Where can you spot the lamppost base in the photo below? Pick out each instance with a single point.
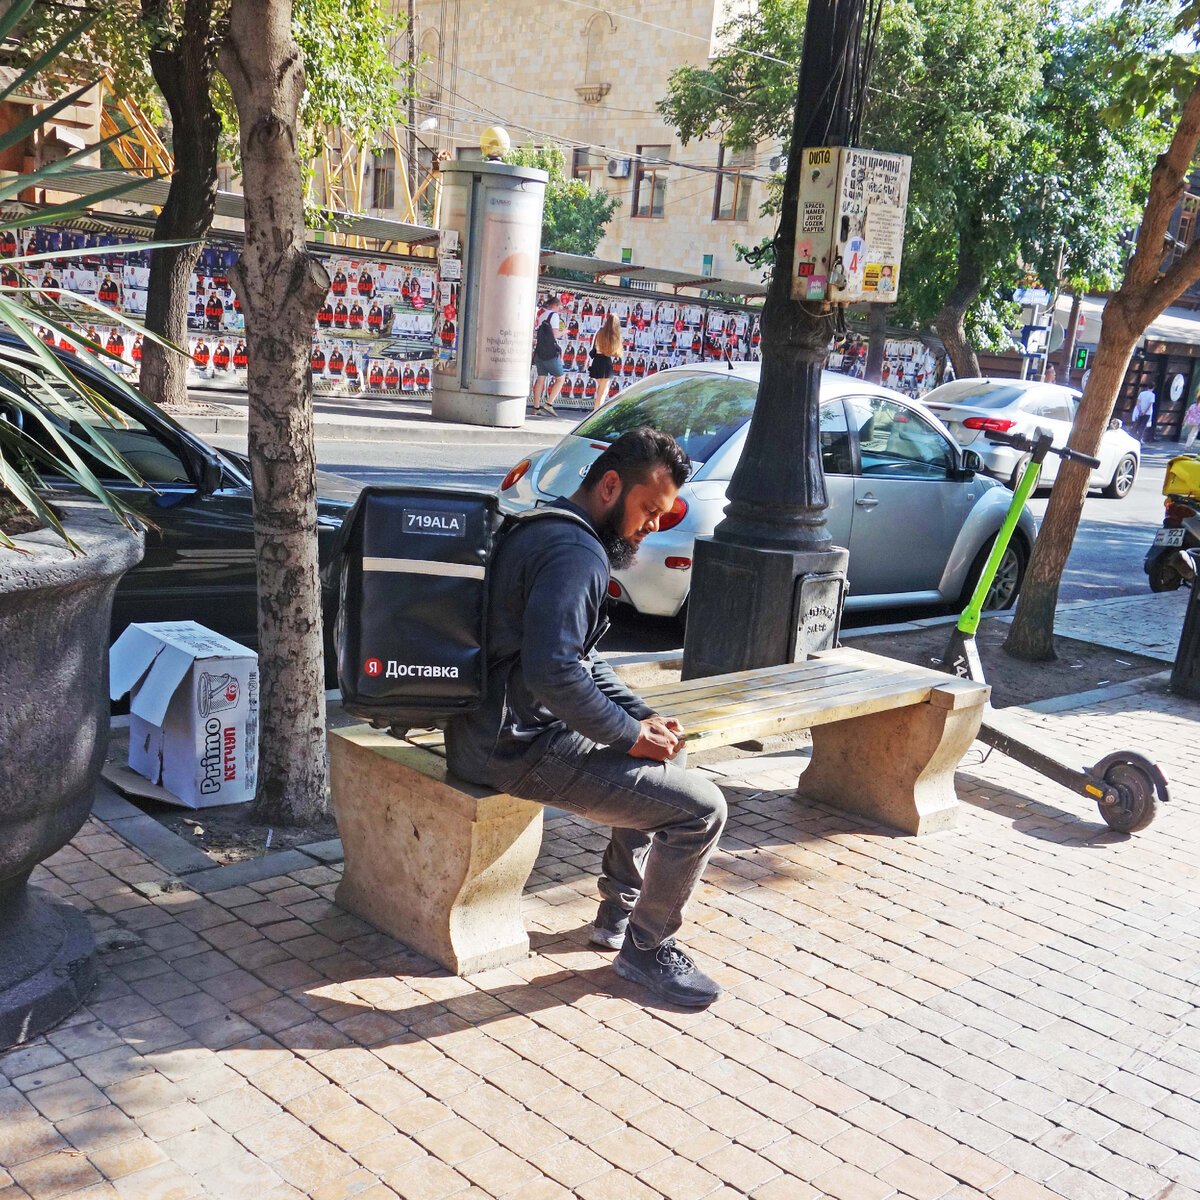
(755, 607)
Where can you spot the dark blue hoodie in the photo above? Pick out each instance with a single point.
(547, 588)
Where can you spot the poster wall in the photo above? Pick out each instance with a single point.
(657, 334)
(374, 333)
(386, 326)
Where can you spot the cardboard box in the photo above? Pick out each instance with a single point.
(193, 704)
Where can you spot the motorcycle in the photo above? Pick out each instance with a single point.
(1181, 524)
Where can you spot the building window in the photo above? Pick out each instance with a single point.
(706, 267)
(650, 182)
(384, 180)
(1187, 223)
(731, 202)
(424, 180)
(588, 166)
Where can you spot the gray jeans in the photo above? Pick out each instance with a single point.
(665, 820)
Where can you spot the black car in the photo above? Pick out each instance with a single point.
(199, 563)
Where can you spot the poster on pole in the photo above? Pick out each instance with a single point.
(814, 222)
(869, 237)
(850, 225)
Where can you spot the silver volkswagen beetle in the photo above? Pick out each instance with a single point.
(903, 497)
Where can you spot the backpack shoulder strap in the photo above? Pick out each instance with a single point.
(515, 520)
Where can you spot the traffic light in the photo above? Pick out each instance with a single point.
(1081, 359)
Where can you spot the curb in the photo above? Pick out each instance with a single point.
(395, 430)
(1114, 691)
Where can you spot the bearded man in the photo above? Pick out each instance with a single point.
(558, 727)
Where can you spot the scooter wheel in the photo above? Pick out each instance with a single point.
(1137, 796)
(1163, 576)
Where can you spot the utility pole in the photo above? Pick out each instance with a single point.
(770, 567)
(412, 97)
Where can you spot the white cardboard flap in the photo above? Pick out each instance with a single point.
(196, 639)
(151, 699)
(129, 658)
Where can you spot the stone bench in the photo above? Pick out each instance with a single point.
(440, 864)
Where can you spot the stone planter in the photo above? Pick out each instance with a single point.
(54, 719)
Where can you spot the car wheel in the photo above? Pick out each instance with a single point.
(1015, 477)
(1009, 576)
(1121, 483)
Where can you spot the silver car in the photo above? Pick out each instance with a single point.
(970, 407)
(904, 499)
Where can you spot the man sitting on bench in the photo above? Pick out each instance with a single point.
(559, 728)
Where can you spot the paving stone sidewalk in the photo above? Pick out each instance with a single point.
(1007, 1011)
(1148, 624)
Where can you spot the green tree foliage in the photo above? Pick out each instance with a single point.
(574, 216)
(351, 81)
(1089, 154)
(1005, 107)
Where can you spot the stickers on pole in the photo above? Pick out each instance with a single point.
(850, 225)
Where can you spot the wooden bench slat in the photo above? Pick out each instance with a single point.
(722, 730)
(735, 680)
(832, 687)
(789, 679)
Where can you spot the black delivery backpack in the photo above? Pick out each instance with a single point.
(410, 569)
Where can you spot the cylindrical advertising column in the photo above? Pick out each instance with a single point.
(491, 218)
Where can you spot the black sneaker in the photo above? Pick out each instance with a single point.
(608, 929)
(667, 972)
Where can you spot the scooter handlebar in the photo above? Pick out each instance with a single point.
(1087, 459)
(1020, 442)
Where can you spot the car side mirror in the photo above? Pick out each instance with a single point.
(971, 461)
(211, 475)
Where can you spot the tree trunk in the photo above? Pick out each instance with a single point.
(281, 287)
(183, 69)
(877, 320)
(1031, 636)
(1144, 292)
(951, 321)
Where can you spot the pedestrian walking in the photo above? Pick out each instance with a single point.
(559, 728)
(1143, 414)
(1191, 424)
(605, 346)
(547, 357)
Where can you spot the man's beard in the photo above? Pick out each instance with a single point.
(621, 551)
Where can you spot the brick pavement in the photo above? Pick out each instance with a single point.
(1006, 1011)
(1147, 624)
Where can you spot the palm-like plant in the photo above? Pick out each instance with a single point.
(40, 429)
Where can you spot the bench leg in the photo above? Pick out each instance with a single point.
(894, 767)
(440, 871)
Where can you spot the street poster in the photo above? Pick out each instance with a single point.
(814, 222)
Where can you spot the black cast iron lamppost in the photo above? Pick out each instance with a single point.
(770, 567)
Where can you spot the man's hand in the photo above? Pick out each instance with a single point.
(659, 739)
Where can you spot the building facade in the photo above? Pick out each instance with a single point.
(588, 78)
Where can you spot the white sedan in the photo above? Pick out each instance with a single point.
(970, 407)
(904, 499)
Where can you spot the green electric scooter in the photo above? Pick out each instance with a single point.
(1125, 785)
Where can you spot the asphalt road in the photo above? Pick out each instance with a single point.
(1106, 559)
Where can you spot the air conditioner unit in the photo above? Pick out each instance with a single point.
(618, 168)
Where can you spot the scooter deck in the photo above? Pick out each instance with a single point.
(1036, 749)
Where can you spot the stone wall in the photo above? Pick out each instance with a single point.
(565, 71)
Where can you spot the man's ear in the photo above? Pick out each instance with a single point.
(609, 487)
